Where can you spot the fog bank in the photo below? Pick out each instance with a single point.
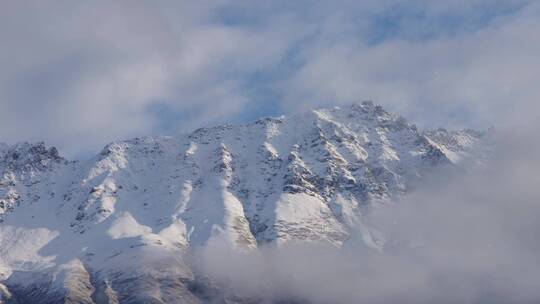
(464, 238)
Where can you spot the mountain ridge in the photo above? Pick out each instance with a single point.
(308, 178)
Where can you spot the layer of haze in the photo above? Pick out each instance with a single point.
(469, 238)
(79, 74)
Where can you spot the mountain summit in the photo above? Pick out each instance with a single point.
(115, 228)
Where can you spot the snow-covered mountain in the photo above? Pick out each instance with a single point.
(116, 228)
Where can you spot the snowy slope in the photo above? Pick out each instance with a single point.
(115, 228)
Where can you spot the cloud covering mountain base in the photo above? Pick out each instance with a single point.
(458, 239)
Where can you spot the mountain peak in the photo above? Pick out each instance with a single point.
(26, 155)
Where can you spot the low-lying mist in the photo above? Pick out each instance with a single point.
(461, 238)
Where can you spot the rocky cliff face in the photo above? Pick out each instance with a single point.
(115, 228)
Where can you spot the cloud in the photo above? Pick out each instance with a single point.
(467, 79)
(82, 74)
(79, 75)
(459, 239)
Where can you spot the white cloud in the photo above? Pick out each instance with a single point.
(488, 73)
(81, 74)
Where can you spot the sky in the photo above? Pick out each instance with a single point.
(80, 74)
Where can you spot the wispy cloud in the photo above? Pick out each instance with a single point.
(465, 79)
(79, 75)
